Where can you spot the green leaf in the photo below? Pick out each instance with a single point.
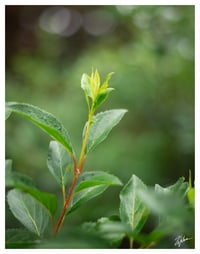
(92, 89)
(101, 97)
(46, 121)
(28, 211)
(180, 188)
(171, 210)
(94, 178)
(17, 180)
(94, 83)
(90, 185)
(133, 212)
(20, 239)
(105, 83)
(102, 124)
(8, 167)
(113, 231)
(191, 192)
(7, 113)
(91, 84)
(87, 194)
(47, 200)
(73, 238)
(26, 184)
(85, 85)
(191, 197)
(59, 162)
(167, 205)
(96, 80)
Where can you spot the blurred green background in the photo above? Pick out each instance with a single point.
(151, 51)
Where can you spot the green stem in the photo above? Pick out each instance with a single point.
(63, 193)
(77, 170)
(82, 154)
(150, 245)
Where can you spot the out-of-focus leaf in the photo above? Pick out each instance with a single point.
(180, 188)
(191, 197)
(191, 192)
(26, 184)
(168, 202)
(74, 238)
(102, 124)
(7, 113)
(8, 167)
(170, 207)
(20, 239)
(111, 230)
(90, 185)
(172, 213)
(17, 180)
(28, 211)
(150, 239)
(59, 162)
(133, 211)
(43, 119)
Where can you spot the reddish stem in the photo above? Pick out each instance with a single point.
(77, 172)
(53, 225)
(67, 202)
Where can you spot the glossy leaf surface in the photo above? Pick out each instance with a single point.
(90, 185)
(133, 212)
(28, 211)
(43, 119)
(58, 162)
(101, 126)
(47, 200)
